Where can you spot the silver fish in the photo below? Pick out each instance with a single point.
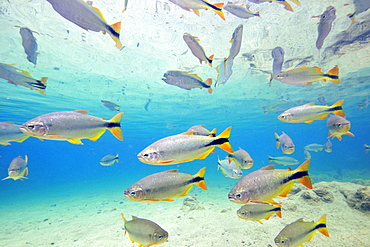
(111, 106)
(324, 28)
(224, 71)
(278, 56)
(109, 160)
(314, 147)
(196, 5)
(286, 143)
(284, 160)
(18, 168)
(307, 155)
(236, 42)
(29, 44)
(338, 126)
(240, 11)
(229, 169)
(200, 130)
(10, 132)
(364, 103)
(185, 80)
(328, 146)
(197, 49)
(242, 159)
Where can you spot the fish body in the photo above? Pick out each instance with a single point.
(258, 211)
(229, 169)
(284, 160)
(242, 159)
(299, 232)
(164, 186)
(144, 232)
(196, 5)
(224, 70)
(197, 49)
(287, 6)
(315, 147)
(200, 130)
(307, 155)
(10, 132)
(29, 44)
(310, 112)
(278, 56)
(306, 75)
(111, 106)
(285, 142)
(236, 42)
(86, 17)
(109, 160)
(21, 77)
(367, 148)
(72, 126)
(240, 11)
(185, 80)
(360, 7)
(18, 168)
(338, 126)
(328, 146)
(325, 24)
(182, 148)
(267, 183)
(364, 103)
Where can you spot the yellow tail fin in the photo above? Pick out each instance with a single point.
(339, 112)
(116, 130)
(323, 229)
(305, 180)
(201, 184)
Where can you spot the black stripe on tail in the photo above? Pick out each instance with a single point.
(217, 142)
(296, 176)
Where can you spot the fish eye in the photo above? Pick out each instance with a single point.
(132, 193)
(31, 126)
(238, 195)
(146, 155)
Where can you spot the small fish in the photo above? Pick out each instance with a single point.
(18, 168)
(306, 75)
(224, 70)
(144, 232)
(278, 56)
(197, 49)
(286, 143)
(185, 80)
(125, 2)
(284, 160)
(258, 211)
(111, 106)
(338, 126)
(29, 44)
(287, 6)
(299, 232)
(10, 132)
(310, 112)
(321, 99)
(109, 160)
(307, 155)
(367, 148)
(241, 158)
(267, 183)
(236, 42)
(200, 130)
(314, 147)
(196, 5)
(229, 169)
(328, 146)
(21, 77)
(164, 186)
(183, 148)
(240, 11)
(72, 126)
(86, 17)
(360, 7)
(364, 103)
(324, 27)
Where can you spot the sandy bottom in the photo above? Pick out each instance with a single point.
(83, 217)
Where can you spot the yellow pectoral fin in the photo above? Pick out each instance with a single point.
(26, 172)
(75, 141)
(287, 190)
(168, 200)
(53, 136)
(196, 11)
(206, 153)
(167, 161)
(187, 191)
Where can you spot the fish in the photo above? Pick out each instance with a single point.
(111, 106)
(299, 232)
(367, 148)
(109, 160)
(321, 99)
(364, 103)
(146, 106)
(315, 147)
(310, 112)
(10, 132)
(324, 27)
(196, 5)
(183, 148)
(258, 211)
(125, 2)
(236, 42)
(267, 183)
(307, 155)
(328, 146)
(360, 7)
(164, 186)
(284, 160)
(240, 11)
(278, 56)
(224, 71)
(287, 6)
(307, 75)
(286, 143)
(29, 44)
(200, 130)
(241, 158)
(23, 78)
(229, 169)
(87, 17)
(18, 168)
(72, 126)
(185, 80)
(144, 232)
(197, 49)
(338, 126)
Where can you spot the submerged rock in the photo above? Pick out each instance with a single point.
(191, 203)
(324, 194)
(359, 199)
